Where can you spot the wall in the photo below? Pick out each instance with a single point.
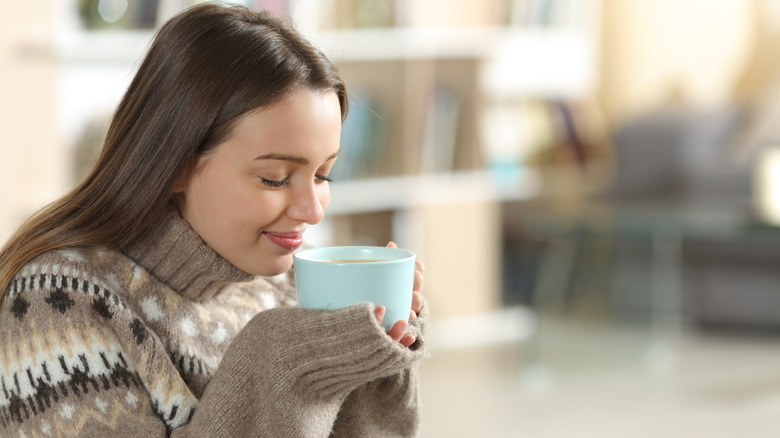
(656, 51)
(34, 164)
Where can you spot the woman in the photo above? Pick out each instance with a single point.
(156, 299)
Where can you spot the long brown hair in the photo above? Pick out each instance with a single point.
(207, 67)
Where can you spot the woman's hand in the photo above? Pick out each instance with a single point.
(398, 331)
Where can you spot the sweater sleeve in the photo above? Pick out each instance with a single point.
(74, 361)
(388, 406)
(289, 371)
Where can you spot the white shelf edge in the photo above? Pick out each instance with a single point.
(426, 43)
(124, 47)
(408, 192)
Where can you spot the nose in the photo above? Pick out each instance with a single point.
(309, 202)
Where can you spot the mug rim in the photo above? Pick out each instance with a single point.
(311, 255)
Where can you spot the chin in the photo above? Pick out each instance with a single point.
(274, 267)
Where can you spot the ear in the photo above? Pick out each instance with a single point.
(179, 184)
(181, 181)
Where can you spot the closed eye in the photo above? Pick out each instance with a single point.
(274, 183)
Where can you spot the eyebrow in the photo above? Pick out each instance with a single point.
(292, 158)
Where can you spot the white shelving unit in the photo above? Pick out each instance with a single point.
(536, 62)
(415, 191)
(452, 219)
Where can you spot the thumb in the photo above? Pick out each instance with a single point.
(379, 313)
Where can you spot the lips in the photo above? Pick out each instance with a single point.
(288, 241)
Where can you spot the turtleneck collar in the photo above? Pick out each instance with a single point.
(176, 255)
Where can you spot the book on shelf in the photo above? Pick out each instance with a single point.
(548, 13)
(568, 130)
(535, 133)
(513, 135)
(362, 139)
(558, 135)
(356, 14)
(99, 15)
(165, 9)
(278, 8)
(454, 13)
(440, 131)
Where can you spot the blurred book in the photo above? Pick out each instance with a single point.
(568, 130)
(558, 134)
(362, 139)
(520, 12)
(166, 9)
(548, 13)
(354, 14)
(440, 132)
(118, 14)
(455, 13)
(277, 8)
(540, 12)
(516, 134)
(569, 13)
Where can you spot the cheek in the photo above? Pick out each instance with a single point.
(222, 200)
(324, 196)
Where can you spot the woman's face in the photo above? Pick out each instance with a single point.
(252, 197)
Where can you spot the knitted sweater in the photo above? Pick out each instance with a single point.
(167, 338)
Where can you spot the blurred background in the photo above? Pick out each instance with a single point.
(593, 185)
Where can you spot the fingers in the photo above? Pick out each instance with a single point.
(398, 334)
(418, 280)
(392, 245)
(398, 330)
(417, 303)
(379, 313)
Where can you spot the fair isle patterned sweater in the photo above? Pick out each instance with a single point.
(167, 338)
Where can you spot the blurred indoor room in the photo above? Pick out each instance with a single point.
(593, 185)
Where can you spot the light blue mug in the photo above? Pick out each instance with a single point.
(339, 276)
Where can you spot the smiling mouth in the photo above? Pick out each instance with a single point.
(287, 241)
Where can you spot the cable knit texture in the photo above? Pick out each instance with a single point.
(167, 338)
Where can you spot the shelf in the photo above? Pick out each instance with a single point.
(119, 47)
(407, 43)
(407, 192)
(420, 43)
(530, 62)
(399, 68)
(541, 63)
(347, 45)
